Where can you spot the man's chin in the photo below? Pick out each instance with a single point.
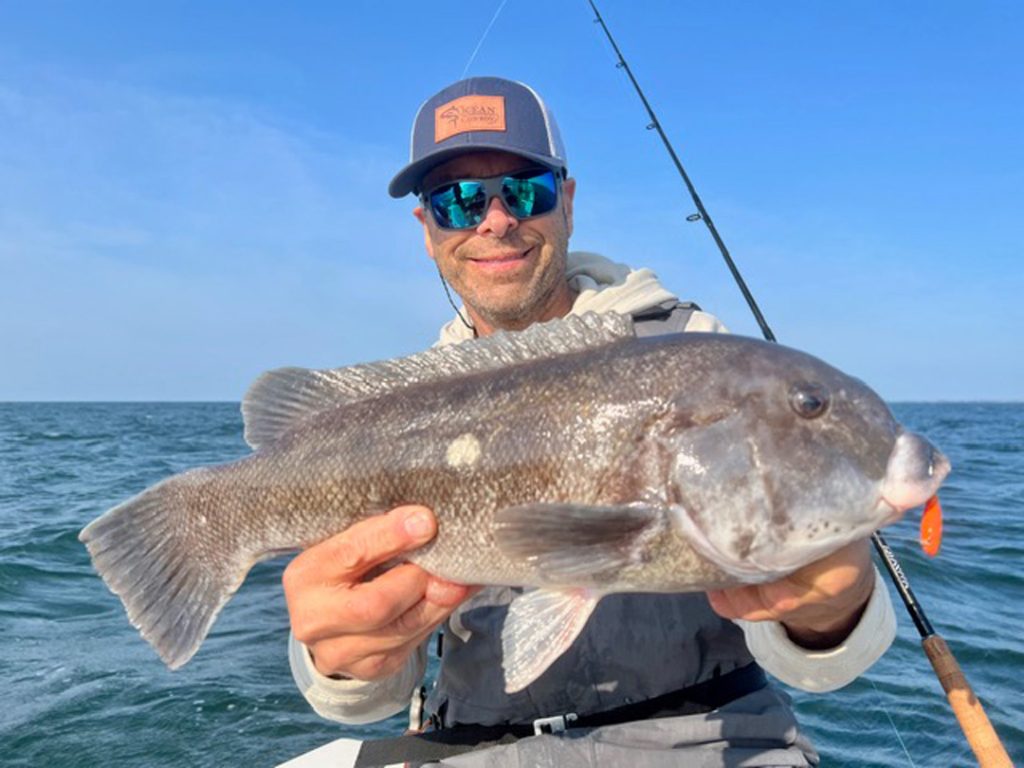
(505, 318)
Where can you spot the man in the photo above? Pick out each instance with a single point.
(642, 680)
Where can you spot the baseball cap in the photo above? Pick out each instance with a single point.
(475, 114)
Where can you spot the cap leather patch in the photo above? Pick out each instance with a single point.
(469, 113)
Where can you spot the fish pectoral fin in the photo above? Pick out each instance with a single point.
(539, 627)
(576, 543)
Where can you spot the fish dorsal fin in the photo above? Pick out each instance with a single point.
(280, 399)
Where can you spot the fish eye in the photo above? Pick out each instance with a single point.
(808, 400)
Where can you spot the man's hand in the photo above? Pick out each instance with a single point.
(362, 625)
(819, 605)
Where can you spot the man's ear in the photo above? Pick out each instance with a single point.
(568, 193)
(421, 217)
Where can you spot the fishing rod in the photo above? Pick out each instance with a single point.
(970, 713)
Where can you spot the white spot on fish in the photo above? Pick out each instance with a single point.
(463, 452)
(690, 463)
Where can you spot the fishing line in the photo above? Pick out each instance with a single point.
(908, 538)
(451, 301)
(893, 724)
(482, 38)
(465, 69)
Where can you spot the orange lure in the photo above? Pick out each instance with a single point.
(931, 527)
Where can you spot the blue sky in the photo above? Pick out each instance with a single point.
(192, 193)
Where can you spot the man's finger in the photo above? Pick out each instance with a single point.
(414, 625)
(345, 557)
(740, 603)
(448, 593)
(328, 611)
(366, 656)
(379, 665)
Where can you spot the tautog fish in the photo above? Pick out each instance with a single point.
(572, 456)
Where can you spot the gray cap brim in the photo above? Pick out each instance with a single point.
(411, 177)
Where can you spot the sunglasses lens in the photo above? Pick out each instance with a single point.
(529, 195)
(463, 204)
(459, 205)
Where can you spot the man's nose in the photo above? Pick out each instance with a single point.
(497, 221)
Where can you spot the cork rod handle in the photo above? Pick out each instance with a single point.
(982, 737)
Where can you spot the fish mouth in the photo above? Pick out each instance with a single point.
(915, 471)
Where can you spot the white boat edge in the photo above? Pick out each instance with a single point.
(340, 753)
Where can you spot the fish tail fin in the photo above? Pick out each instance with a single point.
(145, 554)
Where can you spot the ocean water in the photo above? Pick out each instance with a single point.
(80, 688)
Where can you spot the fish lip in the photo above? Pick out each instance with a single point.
(888, 512)
(915, 470)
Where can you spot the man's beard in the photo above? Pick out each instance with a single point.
(519, 311)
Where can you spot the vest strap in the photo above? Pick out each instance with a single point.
(667, 317)
(436, 745)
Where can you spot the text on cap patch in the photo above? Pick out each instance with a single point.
(469, 113)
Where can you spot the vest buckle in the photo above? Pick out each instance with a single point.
(556, 724)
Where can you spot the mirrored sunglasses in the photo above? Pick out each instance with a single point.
(463, 204)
